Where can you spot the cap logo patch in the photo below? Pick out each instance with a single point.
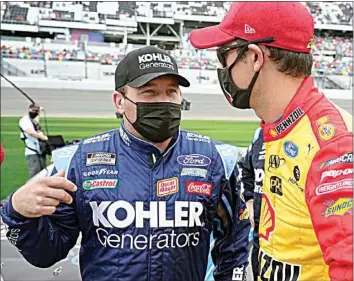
(310, 43)
(155, 60)
(249, 30)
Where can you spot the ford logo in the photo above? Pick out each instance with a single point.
(193, 160)
(291, 149)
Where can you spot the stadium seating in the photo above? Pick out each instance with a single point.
(16, 12)
(332, 64)
(328, 51)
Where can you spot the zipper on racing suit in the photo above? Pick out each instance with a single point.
(152, 162)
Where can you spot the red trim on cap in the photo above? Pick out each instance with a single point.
(209, 37)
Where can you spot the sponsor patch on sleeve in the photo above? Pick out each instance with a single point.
(339, 207)
(334, 186)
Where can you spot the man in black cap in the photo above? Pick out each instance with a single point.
(147, 197)
(31, 134)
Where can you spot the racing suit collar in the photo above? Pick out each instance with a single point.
(142, 145)
(296, 109)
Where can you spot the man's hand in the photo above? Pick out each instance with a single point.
(41, 196)
(249, 205)
(44, 137)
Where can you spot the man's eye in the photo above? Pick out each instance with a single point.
(149, 91)
(172, 91)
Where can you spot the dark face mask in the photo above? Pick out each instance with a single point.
(156, 121)
(237, 97)
(33, 115)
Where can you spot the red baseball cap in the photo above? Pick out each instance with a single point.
(290, 23)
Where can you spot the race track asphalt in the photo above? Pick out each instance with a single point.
(74, 103)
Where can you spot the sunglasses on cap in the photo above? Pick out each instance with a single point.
(220, 52)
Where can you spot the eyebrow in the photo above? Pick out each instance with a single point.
(155, 84)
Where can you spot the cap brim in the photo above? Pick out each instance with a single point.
(209, 37)
(146, 78)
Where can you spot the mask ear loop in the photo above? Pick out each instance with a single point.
(125, 97)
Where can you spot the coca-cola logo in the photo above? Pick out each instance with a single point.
(193, 160)
(197, 187)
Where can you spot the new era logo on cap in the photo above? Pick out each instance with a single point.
(249, 30)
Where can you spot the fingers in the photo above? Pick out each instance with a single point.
(59, 181)
(46, 210)
(50, 202)
(58, 194)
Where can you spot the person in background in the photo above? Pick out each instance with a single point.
(31, 134)
(251, 174)
(305, 223)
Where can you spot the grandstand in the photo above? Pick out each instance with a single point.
(79, 40)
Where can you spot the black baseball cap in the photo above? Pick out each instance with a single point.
(34, 107)
(142, 65)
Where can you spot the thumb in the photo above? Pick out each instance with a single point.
(61, 173)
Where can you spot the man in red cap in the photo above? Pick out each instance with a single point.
(304, 225)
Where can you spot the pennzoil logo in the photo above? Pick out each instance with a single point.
(339, 207)
(268, 223)
(290, 120)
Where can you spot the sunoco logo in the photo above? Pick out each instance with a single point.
(186, 214)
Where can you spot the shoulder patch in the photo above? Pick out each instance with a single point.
(229, 156)
(256, 135)
(62, 157)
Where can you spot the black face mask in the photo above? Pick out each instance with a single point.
(156, 121)
(33, 115)
(237, 97)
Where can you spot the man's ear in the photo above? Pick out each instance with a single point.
(257, 57)
(118, 100)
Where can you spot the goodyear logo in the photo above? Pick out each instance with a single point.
(339, 207)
